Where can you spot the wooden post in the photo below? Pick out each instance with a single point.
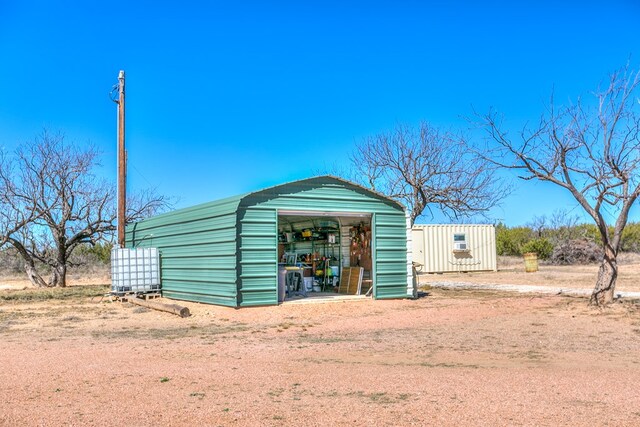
(122, 163)
(176, 309)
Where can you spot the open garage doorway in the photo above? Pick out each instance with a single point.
(324, 255)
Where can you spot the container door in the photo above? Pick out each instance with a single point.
(418, 246)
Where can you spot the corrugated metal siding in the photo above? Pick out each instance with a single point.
(258, 253)
(390, 255)
(225, 252)
(433, 247)
(198, 251)
(319, 194)
(327, 195)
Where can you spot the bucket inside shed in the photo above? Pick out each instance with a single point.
(321, 255)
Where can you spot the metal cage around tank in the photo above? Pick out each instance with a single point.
(135, 270)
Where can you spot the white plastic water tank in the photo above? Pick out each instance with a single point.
(135, 270)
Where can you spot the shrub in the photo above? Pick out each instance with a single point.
(540, 246)
(98, 253)
(564, 243)
(587, 231)
(509, 241)
(631, 238)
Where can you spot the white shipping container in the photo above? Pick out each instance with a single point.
(135, 270)
(443, 248)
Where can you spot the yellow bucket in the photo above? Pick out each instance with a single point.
(530, 262)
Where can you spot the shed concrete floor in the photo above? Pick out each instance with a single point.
(322, 297)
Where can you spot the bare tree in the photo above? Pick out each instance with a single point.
(17, 207)
(427, 168)
(70, 205)
(564, 226)
(539, 225)
(14, 213)
(593, 151)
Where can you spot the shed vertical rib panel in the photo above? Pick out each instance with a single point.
(258, 253)
(390, 255)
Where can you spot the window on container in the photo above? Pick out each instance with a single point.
(459, 238)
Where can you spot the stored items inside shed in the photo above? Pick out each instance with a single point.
(319, 253)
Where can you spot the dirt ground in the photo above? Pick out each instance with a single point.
(451, 357)
(511, 271)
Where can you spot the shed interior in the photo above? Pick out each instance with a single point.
(320, 253)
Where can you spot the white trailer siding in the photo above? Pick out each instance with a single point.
(434, 248)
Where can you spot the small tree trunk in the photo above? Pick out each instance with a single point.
(34, 277)
(59, 276)
(29, 264)
(606, 283)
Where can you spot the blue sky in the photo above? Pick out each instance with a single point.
(229, 97)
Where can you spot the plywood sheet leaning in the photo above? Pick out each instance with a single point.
(350, 280)
(343, 286)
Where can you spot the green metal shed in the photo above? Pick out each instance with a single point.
(226, 252)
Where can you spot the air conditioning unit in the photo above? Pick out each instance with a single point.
(460, 246)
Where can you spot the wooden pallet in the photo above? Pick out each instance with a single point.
(129, 296)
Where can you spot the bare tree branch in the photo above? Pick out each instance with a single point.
(53, 202)
(592, 149)
(426, 168)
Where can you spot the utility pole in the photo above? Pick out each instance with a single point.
(122, 162)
